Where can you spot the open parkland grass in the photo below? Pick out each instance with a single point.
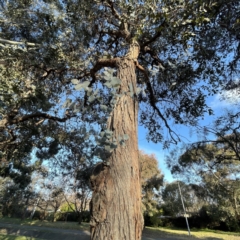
(11, 237)
(63, 225)
(195, 234)
(163, 233)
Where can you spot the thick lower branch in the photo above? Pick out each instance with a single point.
(101, 63)
(11, 121)
(104, 63)
(38, 115)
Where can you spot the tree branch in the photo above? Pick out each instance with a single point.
(156, 59)
(152, 101)
(36, 115)
(155, 37)
(114, 11)
(146, 49)
(101, 63)
(17, 43)
(124, 33)
(9, 141)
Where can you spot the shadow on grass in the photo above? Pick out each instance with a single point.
(71, 230)
(32, 232)
(44, 223)
(10, 237)
(155, 234)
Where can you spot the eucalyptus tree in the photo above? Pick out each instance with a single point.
(159, 57)
(217, 170)
(172, 203)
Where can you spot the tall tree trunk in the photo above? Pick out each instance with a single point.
(116, 200)
(235, 206)
(80, 217)
(26, 208)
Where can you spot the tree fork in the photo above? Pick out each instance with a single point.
(116, 200)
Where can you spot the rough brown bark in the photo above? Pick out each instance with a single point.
(116, 201)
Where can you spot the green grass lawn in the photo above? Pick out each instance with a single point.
(64, 225)
(196, 233)
(205, 234)
(11, 237)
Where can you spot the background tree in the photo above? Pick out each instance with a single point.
(56, 47)
(216, 169)
(77, 193)
(81, 152)
(152, 180)
(56, 198)
(172, 204)
(14, 199)
(226, 130)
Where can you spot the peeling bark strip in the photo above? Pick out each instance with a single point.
(116, 201)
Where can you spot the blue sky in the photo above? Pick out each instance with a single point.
(216, 103)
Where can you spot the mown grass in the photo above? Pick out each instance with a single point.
(197, 233)
(205, 234)
(11, 237)
(63, 225)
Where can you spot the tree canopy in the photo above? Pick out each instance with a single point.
(63, 63)
(49, 48)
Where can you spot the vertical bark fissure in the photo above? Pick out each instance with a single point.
(116, 202)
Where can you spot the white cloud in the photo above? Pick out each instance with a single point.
(227, 98)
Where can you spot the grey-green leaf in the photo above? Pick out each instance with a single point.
(115, 81)
(74, 81)
(125, 137)
(91, 98)
(82, 85)
(103, 107)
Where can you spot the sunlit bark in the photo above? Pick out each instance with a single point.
(116, 203)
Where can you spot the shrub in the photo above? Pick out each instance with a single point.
(155, 221)
(39, 215)
(86, 216)
(66, 216)
(13, 210)
(72, 216)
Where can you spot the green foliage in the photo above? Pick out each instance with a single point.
(153, 220)
(217, 172)
(39, 215)
(72, 216)
(40, 63)
(57, 71)
(152, 180)
(14, 199)
(218, 217)
(171, 197)
(214, 166)
(66, 207)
